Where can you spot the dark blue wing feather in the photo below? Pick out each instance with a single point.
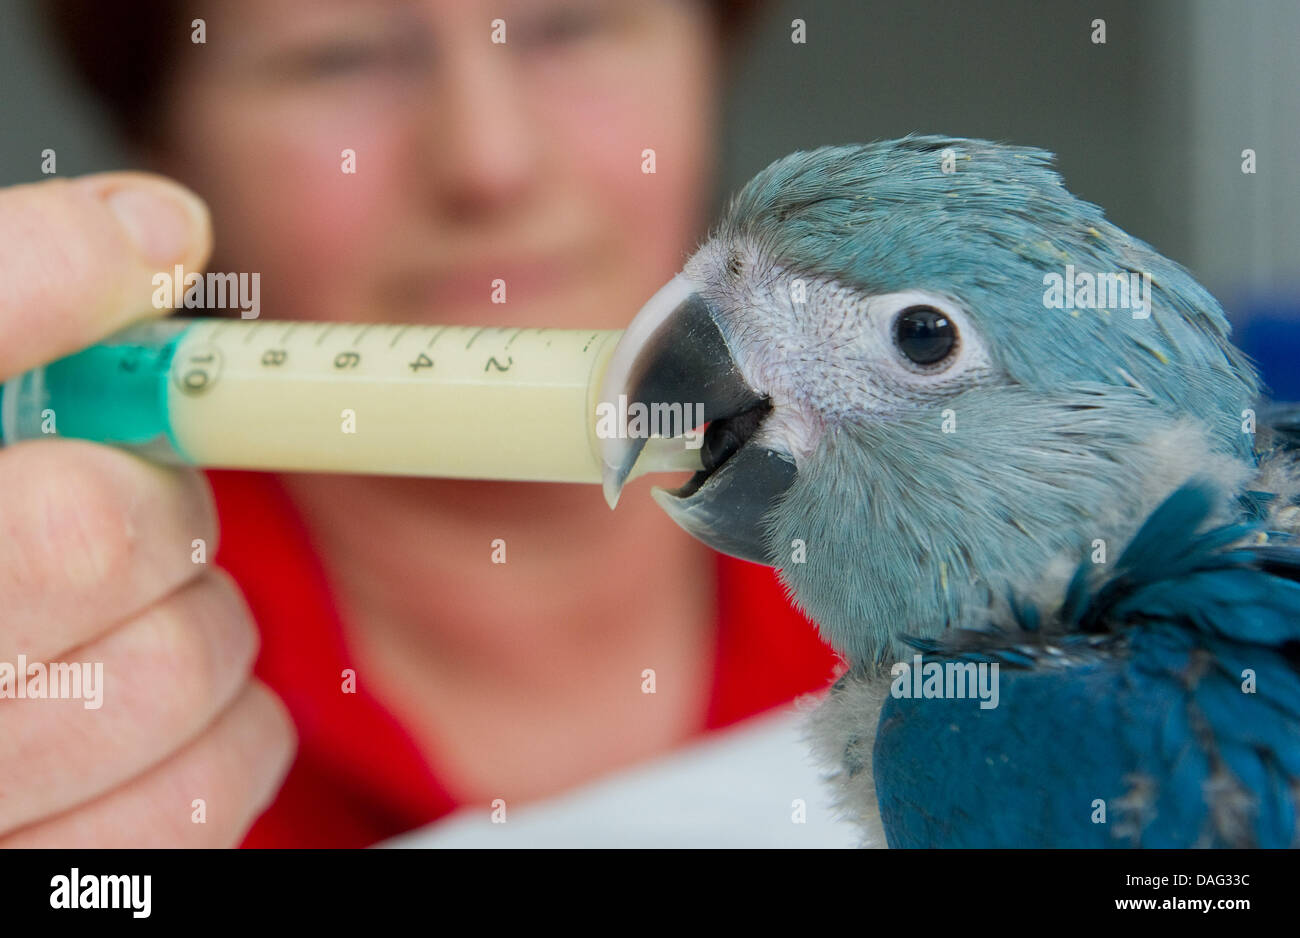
(1160, 708)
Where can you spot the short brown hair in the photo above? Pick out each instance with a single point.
(123, 50)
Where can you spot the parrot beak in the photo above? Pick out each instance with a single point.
(675, 353)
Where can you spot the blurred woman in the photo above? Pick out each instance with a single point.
(475, 159)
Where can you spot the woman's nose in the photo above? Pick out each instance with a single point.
(481, 143)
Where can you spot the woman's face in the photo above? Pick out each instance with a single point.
(474, 160)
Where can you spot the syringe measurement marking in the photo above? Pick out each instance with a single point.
(197, 377)
(421, 360)
(348, 360)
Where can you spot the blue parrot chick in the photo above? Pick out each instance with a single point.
(981, 431)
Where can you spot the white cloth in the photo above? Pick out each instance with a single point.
(736, 788)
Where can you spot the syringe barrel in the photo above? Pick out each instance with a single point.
(450, 401)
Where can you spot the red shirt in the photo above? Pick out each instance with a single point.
(358, 777)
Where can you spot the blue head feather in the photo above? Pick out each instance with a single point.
(885, 217)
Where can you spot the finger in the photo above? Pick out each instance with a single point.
(232, 771)
(89, 536)
(78, 257)
(163, 677)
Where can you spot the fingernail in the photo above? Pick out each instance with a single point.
(163, 222)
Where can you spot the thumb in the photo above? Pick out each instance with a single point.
(78, 258)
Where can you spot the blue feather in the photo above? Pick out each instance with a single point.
(1156, 726)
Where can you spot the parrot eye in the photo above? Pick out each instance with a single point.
(925, 335)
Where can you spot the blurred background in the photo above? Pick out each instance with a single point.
(1151, 125)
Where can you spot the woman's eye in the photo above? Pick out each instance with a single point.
(347, 57)
(564, 24)
(925, 335)
(340, 58)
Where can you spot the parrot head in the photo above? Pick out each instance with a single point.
(931, 377)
